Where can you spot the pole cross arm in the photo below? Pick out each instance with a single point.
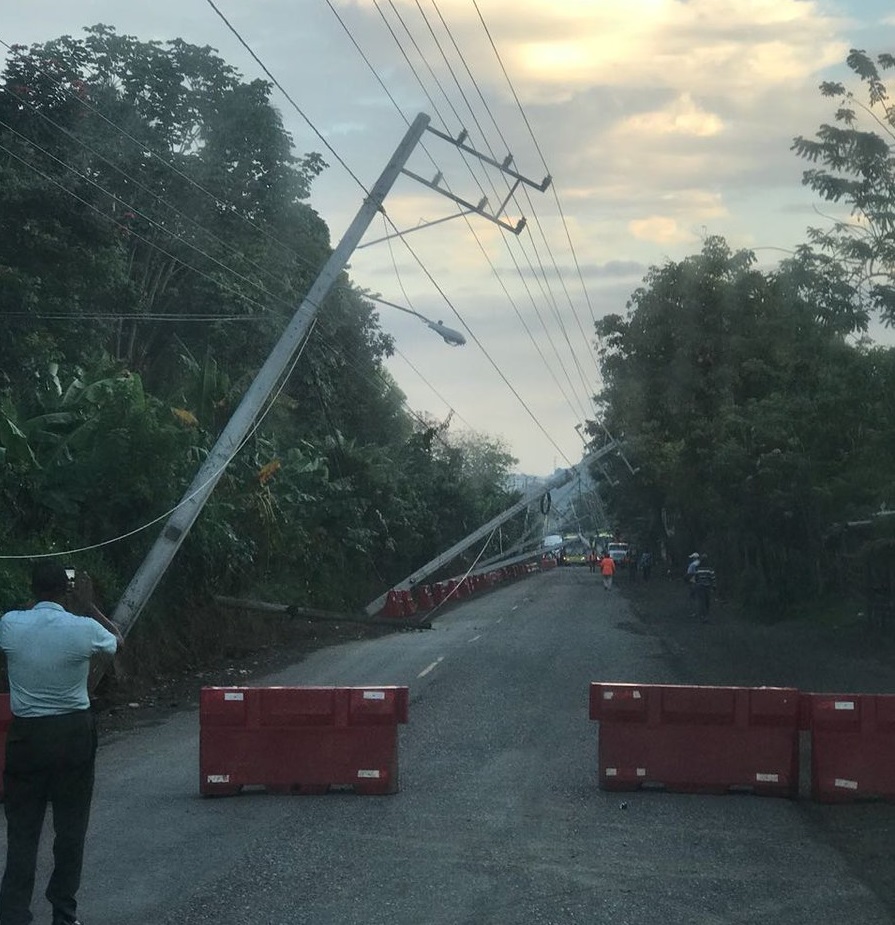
(478, 208)
(503, 166)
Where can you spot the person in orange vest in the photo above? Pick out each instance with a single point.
(607, 570)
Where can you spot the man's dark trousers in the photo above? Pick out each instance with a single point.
(49, 759)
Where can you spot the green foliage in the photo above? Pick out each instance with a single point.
(755, 423)
(156, 238)
(856, 166)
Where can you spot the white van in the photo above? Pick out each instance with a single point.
(618, 552)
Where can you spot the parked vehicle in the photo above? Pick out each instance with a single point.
(619, 553)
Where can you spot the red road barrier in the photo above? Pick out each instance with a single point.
(408, 605)
(697, 739)
(852, 746)
(422, 594)
(547, 563)
(5, 720)
(393, 606)
(300, 739)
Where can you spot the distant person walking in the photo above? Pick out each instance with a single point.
(51, 743)
(692, 565)
(645, 564)
(703, 584)
(607, 570)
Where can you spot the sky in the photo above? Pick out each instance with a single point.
(658, 121)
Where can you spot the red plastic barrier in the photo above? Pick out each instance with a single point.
(408, 605)
(423, 597)
(393, 606)
(300, 739)
(5, 720)
(852, 746)
(697, 739)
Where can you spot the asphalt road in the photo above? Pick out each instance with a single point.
(498, 820)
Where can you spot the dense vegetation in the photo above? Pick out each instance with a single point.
(155, 236)
(758, 414)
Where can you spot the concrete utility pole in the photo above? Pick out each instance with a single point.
(557, 481)
(178, 525)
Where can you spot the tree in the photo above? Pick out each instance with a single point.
(113, 148)
(856, 158)
(753, 421)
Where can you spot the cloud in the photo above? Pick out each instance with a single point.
(682, 117)
(659, 229)
(744, 45)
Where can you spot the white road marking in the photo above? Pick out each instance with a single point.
(500, 619)
(431, 667)
(474, 638)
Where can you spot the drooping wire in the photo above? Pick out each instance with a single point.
(210, 480)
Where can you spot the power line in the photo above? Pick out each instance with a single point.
(226, 206)
(468, 223)
(145, 217)
(241, 295)
(125, 536)
(130, 231)
(285, 93)
(540, 153)
(488, 356)
(447, 404)
(419, 261)
(159, 199)
(533, 210)
(549, 298)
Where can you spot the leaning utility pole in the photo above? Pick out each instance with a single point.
(275, 366)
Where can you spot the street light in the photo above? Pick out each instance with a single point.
(451, 337)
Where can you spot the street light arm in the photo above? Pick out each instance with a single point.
(451, 337)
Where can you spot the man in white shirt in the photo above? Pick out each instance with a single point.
(51, 742)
